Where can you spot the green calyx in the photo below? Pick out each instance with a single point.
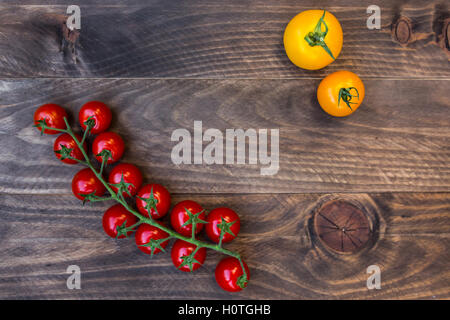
(41, 125)
(64, 152)
(105, 155)
(345, 94)
(225, 227)
(150, 203)
(193, 220)
(89, 123)
(189, 260)
(242, 281)
(122, 230)
(91, 197)
(317, 37)
(155, 244)
(122, 187)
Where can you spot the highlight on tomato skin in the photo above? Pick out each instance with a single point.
(99, 112)
(161, 200)
(67, 141)
(53, 115)
(130, 174)
(86, 182)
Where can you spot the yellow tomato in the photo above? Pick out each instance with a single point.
(341, 93)
(313, 39)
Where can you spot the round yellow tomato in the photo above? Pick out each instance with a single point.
(341, 93)
(313, 39)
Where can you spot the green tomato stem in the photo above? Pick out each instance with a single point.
(317, 37)
(143, 219)
(221, 237)
(346, 96)
(86, 133)
(104, 160)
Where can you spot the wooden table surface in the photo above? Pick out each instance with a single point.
(162, 65)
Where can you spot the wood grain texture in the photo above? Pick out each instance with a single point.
(41, 235)
(223, 62)
(213, 39)
(398, 140)
(220, 4)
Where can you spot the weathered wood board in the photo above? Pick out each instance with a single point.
(41, 235)
(162, 65)
(397, 141)
(214, 39)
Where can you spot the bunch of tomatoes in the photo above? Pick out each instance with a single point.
(312, 40)
(152, 201)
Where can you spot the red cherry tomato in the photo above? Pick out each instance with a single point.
(66, 140)
(183, 249)
(179, 217)
(115, 217)
(215, 218)
(228, 271)
(99, 112)
(161, 200)
(108, 141)
(145, 233)
(131, 174)
(53, 115)
(85, 182)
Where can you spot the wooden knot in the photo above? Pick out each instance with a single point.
(402, 31)
(69, 35)
(69, 38)
(445, 37)
(342, 227)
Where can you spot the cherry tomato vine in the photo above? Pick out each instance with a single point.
(121, 220)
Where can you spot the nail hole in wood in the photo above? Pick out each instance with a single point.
(402, 30)
(342, 227)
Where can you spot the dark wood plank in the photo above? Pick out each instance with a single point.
(219, 3)
(40, 235)
(213, 39)
(397, 140)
